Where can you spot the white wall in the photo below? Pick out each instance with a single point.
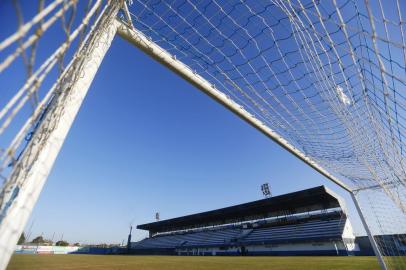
(349, 237)
(310, 246)
(29, 249)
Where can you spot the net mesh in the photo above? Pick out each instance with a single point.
(323, 75)
(39, 40)
(387, 224)
(60, 47)
(38, 51)
(328, 76)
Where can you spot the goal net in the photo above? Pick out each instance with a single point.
(328, 77)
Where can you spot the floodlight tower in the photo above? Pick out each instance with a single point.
(266, 191)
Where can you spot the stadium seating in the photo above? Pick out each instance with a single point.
(301, 230)
(306, 222)
(311, 230)
(204, 238)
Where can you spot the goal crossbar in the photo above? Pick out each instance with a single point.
(139, 40)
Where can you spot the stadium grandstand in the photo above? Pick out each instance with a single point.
(307, 222)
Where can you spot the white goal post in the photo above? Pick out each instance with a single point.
(32, 169)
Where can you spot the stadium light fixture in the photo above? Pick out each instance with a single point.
(266, 191)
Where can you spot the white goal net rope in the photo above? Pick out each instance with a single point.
(33, 67)
(328, 76)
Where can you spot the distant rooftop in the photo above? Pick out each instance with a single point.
(308, 200)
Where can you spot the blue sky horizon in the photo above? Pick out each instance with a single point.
(146, 141)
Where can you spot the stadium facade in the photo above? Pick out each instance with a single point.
(308, 222)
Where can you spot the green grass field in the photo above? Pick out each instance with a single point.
(93, 262)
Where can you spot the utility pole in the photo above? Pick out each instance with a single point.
(129, 240)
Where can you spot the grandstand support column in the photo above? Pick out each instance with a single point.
(374, 245)
(139, 40)
(32, 169)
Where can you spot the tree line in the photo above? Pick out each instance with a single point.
(39, 240)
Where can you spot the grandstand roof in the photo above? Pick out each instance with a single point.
(313, 199)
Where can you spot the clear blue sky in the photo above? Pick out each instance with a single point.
(147, 141)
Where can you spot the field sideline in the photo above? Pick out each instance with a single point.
(93, 262)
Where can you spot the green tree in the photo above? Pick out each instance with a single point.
(22, 239)
(38, 240)
(62, 243)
